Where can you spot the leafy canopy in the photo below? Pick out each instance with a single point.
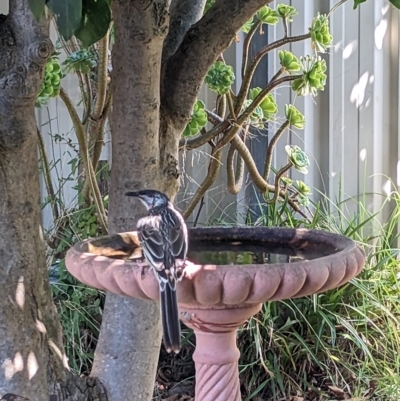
(88, 20)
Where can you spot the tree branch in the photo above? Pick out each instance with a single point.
(185, 70)
(102, 75)
(235, 177)
(246, 46)
(278, 176)
(271, 146)
(258, 57)
(47, 176)
(258, 180)
(84, 152)
(183, 14)
(215, 164)
(195, 143)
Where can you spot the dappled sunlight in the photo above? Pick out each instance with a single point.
(60, 354)
(192, 269)
(40, 326)
(357, 95)
(11, 367)
(387, 188)
(337, 46)
(32, 365)
(349, 49)
(385, 9)
(363, 154)
(20, 292)
(380, 32)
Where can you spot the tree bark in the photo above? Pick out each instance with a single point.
(127, 352)
(32, 359)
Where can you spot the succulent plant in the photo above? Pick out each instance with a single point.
(298, 158)
(321, 38)
(294, 117)
(286, 11)
(81, 60)
(289, 61)
(198, 120)
(220, 77)
(51, 83)
(314, 77)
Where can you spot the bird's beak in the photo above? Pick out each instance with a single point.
(132, 193)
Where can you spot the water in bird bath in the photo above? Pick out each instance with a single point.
(251, 252)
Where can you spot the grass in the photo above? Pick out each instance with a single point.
(342, 343)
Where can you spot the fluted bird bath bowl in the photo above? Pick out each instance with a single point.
(215, 299)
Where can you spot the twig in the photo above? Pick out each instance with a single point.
(235, 176)
(231, 106)
(199, 211)
(246, 46)
(98, 143)
(47, 176)
(337, 5)
(194, 143)
(285, 26)
(84, 152)
(88, 96)
(271, 146)
(278, 176)
(221, 110)
(261, 184)
(214, 166)
(102, 74)
(250, 72)
(234, 129)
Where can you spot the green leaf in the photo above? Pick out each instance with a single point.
(396, 3)
(69, 15)
(357, 3)
(96, 18)
(37, 7)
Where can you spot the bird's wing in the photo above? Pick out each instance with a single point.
(151, 240)
(178, 236)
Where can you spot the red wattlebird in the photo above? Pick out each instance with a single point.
(163, 237)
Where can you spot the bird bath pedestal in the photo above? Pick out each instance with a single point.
(214, 300)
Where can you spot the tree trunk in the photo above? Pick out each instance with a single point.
(32, 359)
(127, 352)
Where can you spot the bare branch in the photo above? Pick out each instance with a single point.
(195, 143)
(102, 75)
(185, 70)
(215, 164)
(84, 153)
(258, 180)
(47, 176)
(258, 57)
(271, 146)
(183, 14)
(246, 46)
(235, 176)
(278, 176)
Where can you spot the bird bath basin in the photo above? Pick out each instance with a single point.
(231, 272)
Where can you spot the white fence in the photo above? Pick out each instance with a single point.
(352, 133)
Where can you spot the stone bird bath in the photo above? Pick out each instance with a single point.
(214, 300)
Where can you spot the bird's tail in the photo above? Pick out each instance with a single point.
(170, 319)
